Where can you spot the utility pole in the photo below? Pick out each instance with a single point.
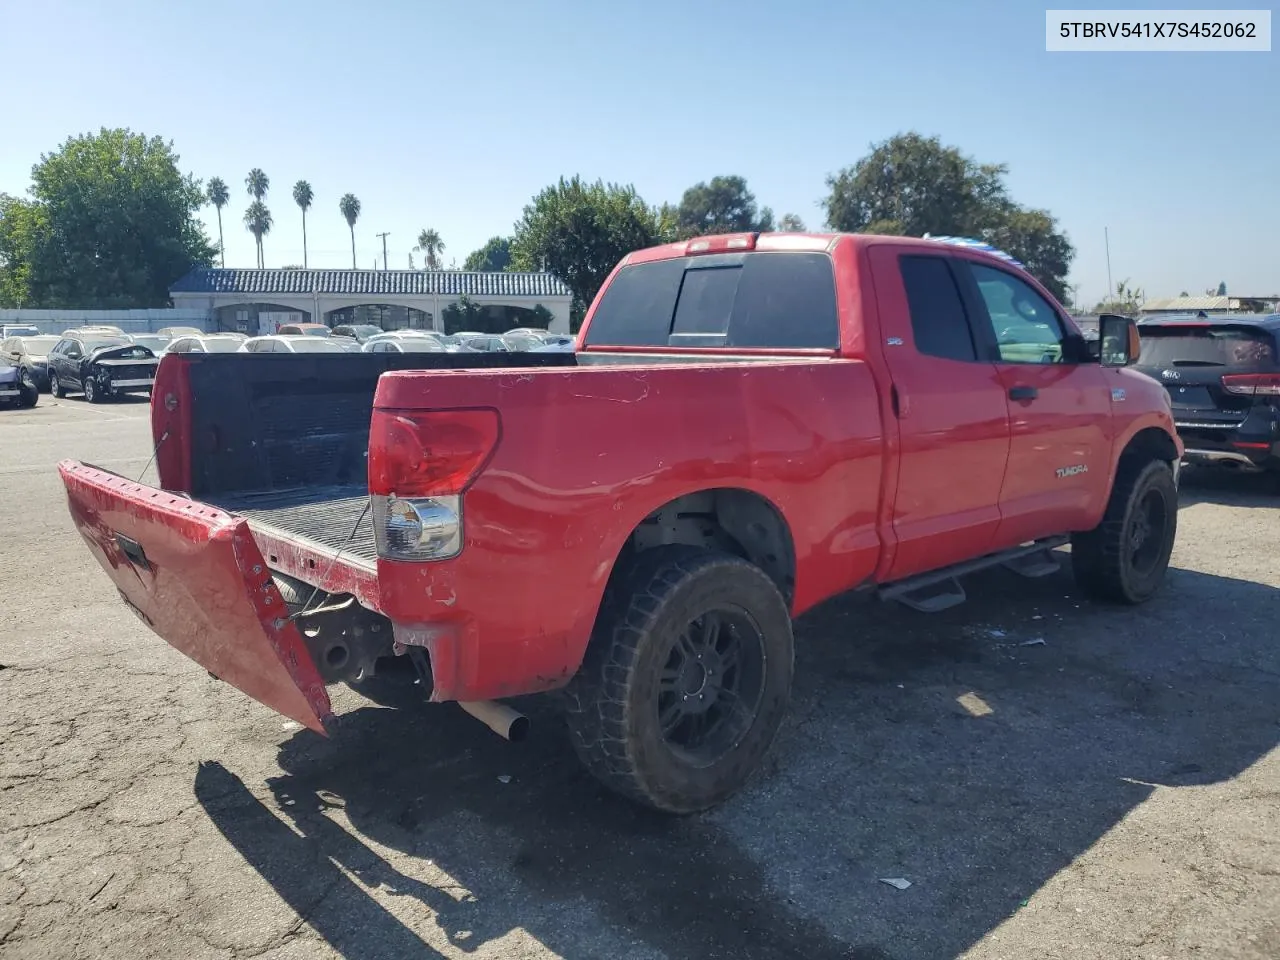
(1106, 236)
(384, 249)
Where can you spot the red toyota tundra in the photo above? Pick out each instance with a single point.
(750, 425)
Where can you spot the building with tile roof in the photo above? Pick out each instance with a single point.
(258, 301)
(1211, 305)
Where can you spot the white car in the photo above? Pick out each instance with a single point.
(407, 342)
(207, 343)
(292, 343)
(155, 342)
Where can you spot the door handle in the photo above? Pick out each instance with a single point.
(1023, 393)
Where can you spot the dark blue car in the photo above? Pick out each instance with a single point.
(16, 387)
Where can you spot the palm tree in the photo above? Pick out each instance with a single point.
(350, 208)
(303, 196)
(430, 246)
(257, 183)
(218, 195)
(257, 220)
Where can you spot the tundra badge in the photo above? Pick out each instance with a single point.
(1071, 471)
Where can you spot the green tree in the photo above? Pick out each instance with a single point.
(22, 233)
(302, 196)
(257, 220)
(792, 223)
(257, 183)
(430, 246)
(1032, 237)
(724, 205)
(350, 208)
(579, 231)
(111, 223)
(911, 185)
(542, 317)
(465, 314)
(218, 195)
(493, 257)
(1126, 300)
(1222, 289)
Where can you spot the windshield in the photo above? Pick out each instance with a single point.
(136, 352)
(221, 345)
(38, 346)
(316, 346)
(420, 345)
(316, 331)
(154, 344)
(100, 342)
(1234, 347)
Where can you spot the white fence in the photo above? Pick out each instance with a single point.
(130, 321)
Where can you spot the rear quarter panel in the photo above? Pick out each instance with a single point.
(586, 454)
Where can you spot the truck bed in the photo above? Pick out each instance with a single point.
(334, 518)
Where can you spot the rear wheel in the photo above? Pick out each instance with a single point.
(55, 387)
(686, 680)
(1124, 558)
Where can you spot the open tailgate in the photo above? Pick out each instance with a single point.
(194, 575)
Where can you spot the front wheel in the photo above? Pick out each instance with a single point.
(686, 680)
(92, 392)
(28, 392)
(1124, 558)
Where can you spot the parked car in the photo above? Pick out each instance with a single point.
(1222, 375)
(565, 345)
(92, 332)
(157, 343)
(172, 332)
(18, 330)
(521, 341)
(403, 343)
(32, 354)
(482, 342)
(101, 368)
(17, 389)
(558, 340)
(207, 343)
(291, 343)
(304, 330)
(359, 332)
(637, 523)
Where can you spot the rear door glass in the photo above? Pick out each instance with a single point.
(761, 300)
(1237, 348)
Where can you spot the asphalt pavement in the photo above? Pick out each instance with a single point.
(1052, 778)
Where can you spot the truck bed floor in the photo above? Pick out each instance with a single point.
(323, 517)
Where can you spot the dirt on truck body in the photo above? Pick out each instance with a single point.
(751, 424)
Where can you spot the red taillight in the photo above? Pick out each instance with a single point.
(1252, 384)
(429, 453)
(722, 243)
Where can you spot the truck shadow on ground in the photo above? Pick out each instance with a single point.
(976, 753)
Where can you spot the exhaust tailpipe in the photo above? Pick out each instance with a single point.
(507, 723)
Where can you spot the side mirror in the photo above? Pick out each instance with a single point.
(1118, 340)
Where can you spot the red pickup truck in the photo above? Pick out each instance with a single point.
(750, 425)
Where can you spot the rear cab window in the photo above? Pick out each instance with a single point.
(761, 300)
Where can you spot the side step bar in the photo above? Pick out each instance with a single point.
(940, 589)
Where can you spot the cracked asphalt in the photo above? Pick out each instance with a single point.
(1111, 792)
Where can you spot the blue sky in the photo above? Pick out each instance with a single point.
(452, 115)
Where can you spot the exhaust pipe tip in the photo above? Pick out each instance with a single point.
(503, 720)
(519, 728)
